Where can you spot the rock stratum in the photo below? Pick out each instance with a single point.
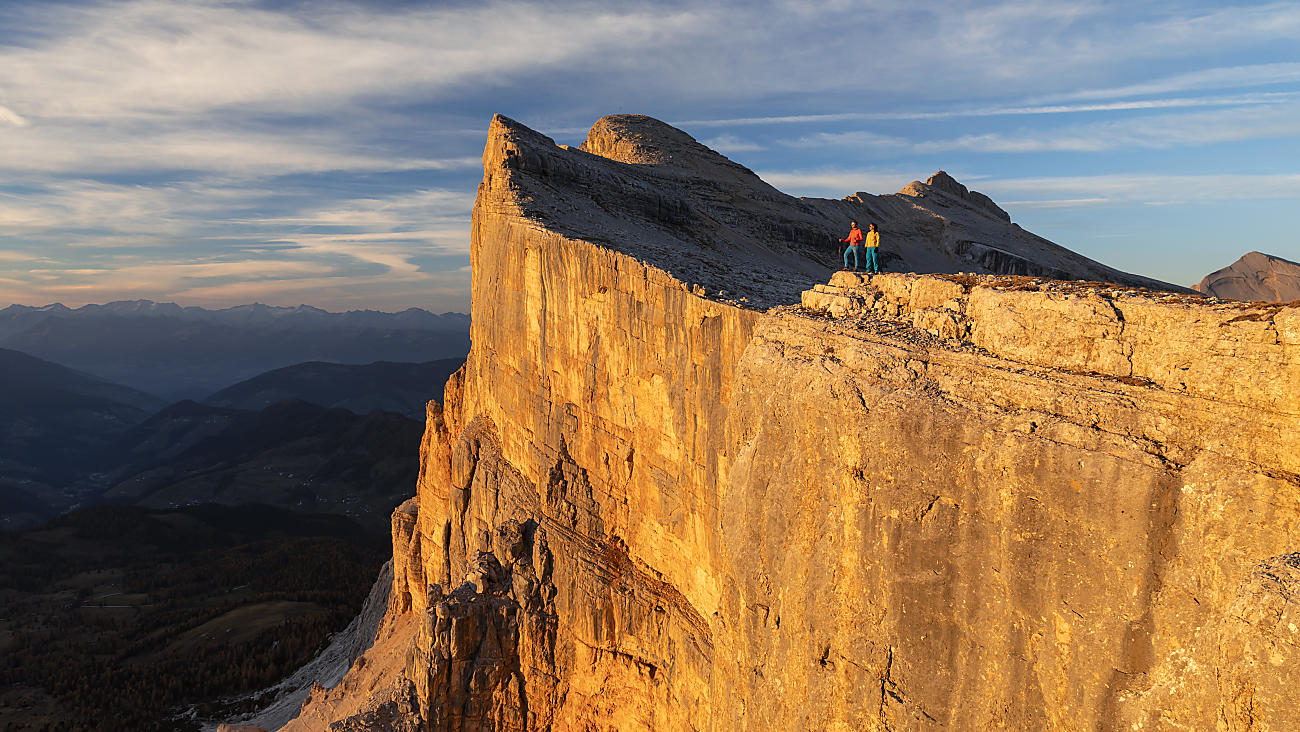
(1256, 276)
(905, 502)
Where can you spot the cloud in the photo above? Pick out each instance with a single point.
(93, 150)
(1228, 77)
(856, 139)
(93, 213)
(1057, 203)
(11, 118)
(150, 85)
(149, 58)
(178, 242)
(991, 111)
(1143, 189)
(391, 213)
(1157, 131)
(427, 220)
(730, 143)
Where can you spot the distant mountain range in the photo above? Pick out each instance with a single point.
(318, 437)
(190, 352)
(1257, 277)
(17, 318)
(54, 421)
(291, 454)
(393, 387)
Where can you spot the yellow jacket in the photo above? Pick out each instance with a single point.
(873, 238)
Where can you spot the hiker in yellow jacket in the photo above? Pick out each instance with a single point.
(872, 245)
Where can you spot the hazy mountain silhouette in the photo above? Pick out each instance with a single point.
(69, 439)
(292, 454)
(394, 387)
(189, 352)
(54, 421)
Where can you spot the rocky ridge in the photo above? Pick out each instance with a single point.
(1256, 276)
(915, 501)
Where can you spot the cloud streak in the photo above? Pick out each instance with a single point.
(150, 59)
(1160, 131)
(998, 111)
(121, 239)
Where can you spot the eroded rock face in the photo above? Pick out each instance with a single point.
(1256, 276)
(910, 501)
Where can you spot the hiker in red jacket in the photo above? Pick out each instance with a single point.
(854, 240)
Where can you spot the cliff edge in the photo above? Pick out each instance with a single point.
(917, 501)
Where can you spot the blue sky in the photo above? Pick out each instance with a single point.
(216, 153)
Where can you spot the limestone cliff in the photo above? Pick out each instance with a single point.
(1256, 276)
(909, 501)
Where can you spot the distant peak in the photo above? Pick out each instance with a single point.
(503, 129)
(1263, 256)
(638, 139)
(1255, 276)
(949, 185)
(945, 182)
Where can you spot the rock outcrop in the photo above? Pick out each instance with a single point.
(908, 501)
(1255, 277)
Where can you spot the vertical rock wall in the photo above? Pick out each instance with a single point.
(951, 504)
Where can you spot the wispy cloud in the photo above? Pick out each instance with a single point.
(1056, 203)
(123, 239)
(150, 58)
(1228, 77)
(998, 111)
(402, 210)
(1142, 189)
(856, 139)
(1159, 131)
(731, 143)
(11, 118)
(91, 150)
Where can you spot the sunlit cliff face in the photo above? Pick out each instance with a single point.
(912, 501)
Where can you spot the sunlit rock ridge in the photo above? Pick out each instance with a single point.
(904, 502)
(1256, 276)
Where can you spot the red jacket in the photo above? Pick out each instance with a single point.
(855, 237)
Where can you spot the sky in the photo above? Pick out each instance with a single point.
(217, 153)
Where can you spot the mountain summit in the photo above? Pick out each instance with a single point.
(651, 191)
(1256, 277)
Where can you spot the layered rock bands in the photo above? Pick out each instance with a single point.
(902, 502)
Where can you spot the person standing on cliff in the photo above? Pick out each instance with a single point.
(873, 248)
(854, 240)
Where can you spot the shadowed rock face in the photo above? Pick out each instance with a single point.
(1256, 277)
(909, 501)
